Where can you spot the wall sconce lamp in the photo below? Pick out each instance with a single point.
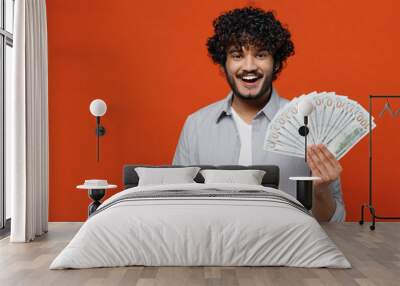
(305, 109)
(98, 108)
(304, 185)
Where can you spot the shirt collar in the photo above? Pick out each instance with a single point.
(269, 110)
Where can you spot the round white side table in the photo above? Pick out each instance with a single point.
(96, 193)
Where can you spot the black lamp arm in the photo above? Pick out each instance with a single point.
(100, 131)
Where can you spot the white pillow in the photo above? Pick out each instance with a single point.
(248, 177)
(162, 176)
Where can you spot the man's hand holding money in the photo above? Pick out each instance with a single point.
(323, 164)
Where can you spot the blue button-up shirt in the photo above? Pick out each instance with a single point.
(210, 137)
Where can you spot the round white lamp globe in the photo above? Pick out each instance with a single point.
(98, 107)
(305, 107)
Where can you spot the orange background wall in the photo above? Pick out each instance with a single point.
(148, 61)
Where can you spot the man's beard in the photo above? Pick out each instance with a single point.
(265, 88)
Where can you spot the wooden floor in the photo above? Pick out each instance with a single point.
(375, 256)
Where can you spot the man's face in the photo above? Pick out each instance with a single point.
(249, 71)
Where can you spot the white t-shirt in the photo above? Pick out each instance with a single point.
(244, 129)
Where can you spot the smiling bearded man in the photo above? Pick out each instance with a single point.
(251, 46)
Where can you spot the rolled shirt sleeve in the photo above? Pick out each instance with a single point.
(340, 213)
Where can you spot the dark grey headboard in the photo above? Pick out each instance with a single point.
(271, 178)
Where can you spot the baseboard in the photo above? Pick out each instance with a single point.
(5, 231)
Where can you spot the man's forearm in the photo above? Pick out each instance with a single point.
(324, 204)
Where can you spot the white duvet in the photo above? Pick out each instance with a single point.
(200, 231)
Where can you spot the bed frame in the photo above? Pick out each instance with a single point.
(271, 178)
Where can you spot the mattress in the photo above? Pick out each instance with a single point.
(201, 225)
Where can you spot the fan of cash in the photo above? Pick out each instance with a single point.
(335, 121)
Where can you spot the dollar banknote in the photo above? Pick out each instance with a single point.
(336, 121)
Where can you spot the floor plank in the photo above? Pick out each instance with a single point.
(374, 255)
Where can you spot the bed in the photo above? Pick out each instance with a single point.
(201, 224)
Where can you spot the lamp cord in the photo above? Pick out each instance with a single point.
(98, 146)
(98, 137)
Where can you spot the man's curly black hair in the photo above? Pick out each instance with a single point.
(246, 27)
